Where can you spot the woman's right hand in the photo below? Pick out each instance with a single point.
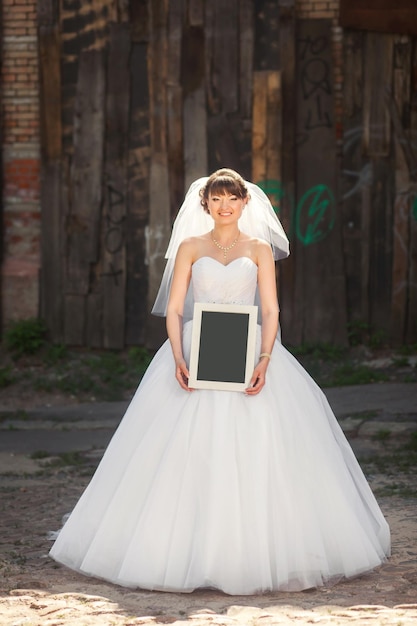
(182, 374)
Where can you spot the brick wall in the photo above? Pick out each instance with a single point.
(317, 8)
(20, 159)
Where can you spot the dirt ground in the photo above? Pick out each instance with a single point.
(35, 591)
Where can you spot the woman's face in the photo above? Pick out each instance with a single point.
(225, 208)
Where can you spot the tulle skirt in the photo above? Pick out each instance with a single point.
(217, 489)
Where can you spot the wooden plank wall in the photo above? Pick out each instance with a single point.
(139, 154)
(319, 263)
(286, 189)
(140, 98)
(378, 187)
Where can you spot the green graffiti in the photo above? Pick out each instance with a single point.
(275, 192)
(315, 214)
(415, 208)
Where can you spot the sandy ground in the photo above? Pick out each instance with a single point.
(35, 591)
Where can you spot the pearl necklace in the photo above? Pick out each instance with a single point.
(225, 248)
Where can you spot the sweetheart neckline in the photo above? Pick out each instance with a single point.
(206, 256)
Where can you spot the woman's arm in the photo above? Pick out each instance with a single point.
(174, 317)
(270, 312)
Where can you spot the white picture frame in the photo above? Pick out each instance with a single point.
(223, 346)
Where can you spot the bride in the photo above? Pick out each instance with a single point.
(244, 492)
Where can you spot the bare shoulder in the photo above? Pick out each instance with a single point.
(260, 250)
(262, 246)
(189, 248)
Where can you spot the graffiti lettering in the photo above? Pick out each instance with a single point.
(315, 77)
(113, 273)
(316, 118)
(360, 179)
(113, 239)
(115, 207)
(316, 86)
(315, 214)
(314, 46)
(115, 198)
(363, 179)
(114, 232)
(274, 191)
(352, 147)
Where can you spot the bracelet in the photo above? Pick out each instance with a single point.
(268, 356)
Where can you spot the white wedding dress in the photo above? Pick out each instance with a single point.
(218, 489)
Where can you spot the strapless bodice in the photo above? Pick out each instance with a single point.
(234, 283)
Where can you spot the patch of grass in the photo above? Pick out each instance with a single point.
(361, 333)
(402, 461)
(332, 365)
(364, 415)
(107, 365)
(357, 331)
(382, 435)
(140, 357)
(67, 459)
(6, 377)
(400, 361)
(408, 349)
(325, 351)
(25, 337)
(377, 339)
(103, 375)
(412, 444)
(13, 415)
(403, 491)
(74, 382)
(39, 454)
(55, 353)
(351, 374)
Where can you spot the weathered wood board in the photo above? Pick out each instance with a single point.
(411, 317)
(137, 200)
(159, 224)
(355, 181)
(194, 114)
(320, 288)
(51, 300)
(175, 142)
(267, 127)
(285, 190)
(83, 221)
(404, 173)
(380, 247)
(377, 80)
(113, 219)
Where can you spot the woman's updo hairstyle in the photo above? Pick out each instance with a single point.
(223, 181)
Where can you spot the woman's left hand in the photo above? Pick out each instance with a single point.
(258, 377)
